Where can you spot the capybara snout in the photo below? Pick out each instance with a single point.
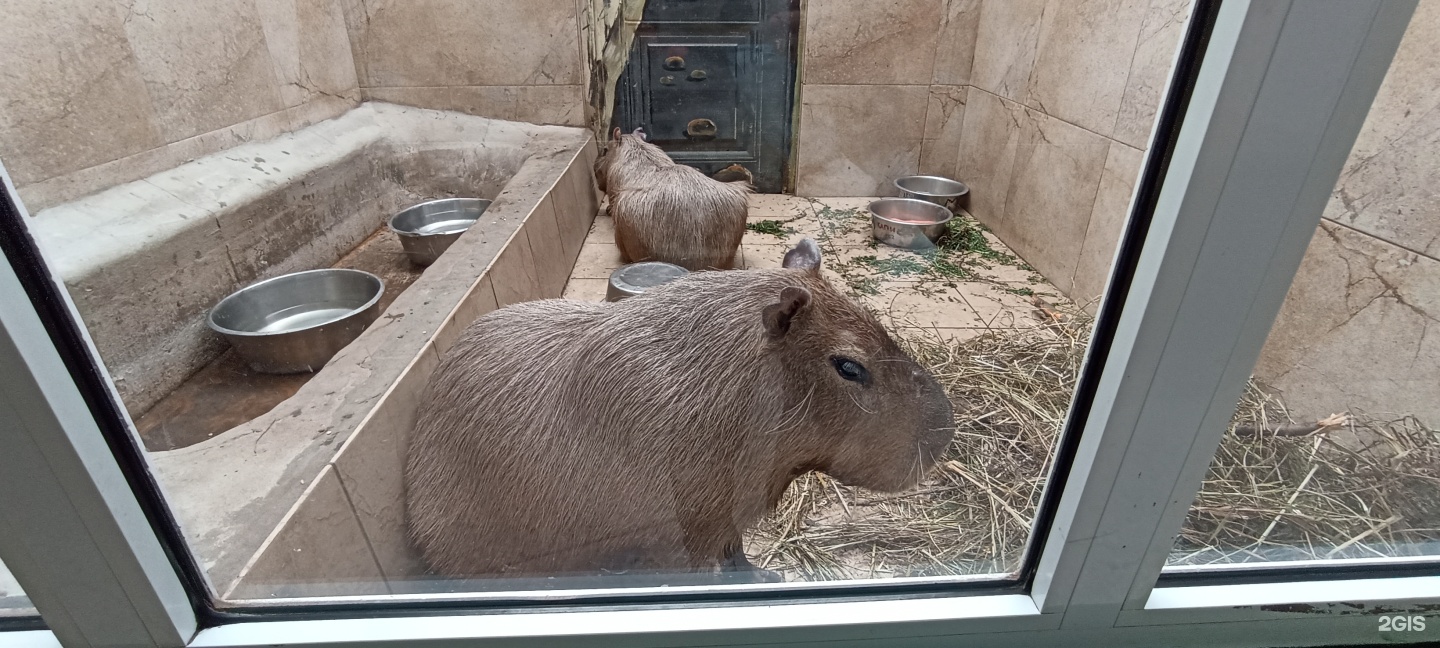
(573, 437)
(889, 419)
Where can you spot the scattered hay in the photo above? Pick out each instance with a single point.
(1345, 487)
(963, 254)
(1363, 486)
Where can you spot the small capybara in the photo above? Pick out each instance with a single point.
(568, 437)
(670, 212)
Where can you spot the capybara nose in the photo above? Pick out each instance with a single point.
(926, 387)
(940, 419)
(940, 435)
(941, 424)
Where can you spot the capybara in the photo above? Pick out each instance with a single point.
(569, 437)
(670, 212)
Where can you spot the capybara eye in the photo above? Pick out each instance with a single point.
(851, 370)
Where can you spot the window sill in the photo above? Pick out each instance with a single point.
(1268, 601)
(833, 621)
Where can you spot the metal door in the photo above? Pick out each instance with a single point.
(712, 82)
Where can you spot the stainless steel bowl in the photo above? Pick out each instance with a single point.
(935, 189)
(635, 278)
(908, 223)
(428, 228)
(296, 322)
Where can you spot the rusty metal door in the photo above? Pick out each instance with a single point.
(712, 82)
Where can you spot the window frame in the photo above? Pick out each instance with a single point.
(1274, 108)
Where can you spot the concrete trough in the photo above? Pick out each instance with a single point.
(310, 492)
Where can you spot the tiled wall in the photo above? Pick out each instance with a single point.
(100, 93)
(1043, 107)
(1057, 104)
(1062, 98)
(883, 91)
(1360, 328)
(505, 59)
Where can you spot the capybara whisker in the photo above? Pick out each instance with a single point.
(857, 404)
(794, 414)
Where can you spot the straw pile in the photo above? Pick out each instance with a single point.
(1346, 486)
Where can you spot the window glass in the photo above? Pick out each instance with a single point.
(1334, 450)
(317, 246)
(13, 602)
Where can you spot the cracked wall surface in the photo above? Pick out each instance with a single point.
(503, 59)
(102, 93)
(1360, 328)
(1043, 107)
(882, 92)
(144, 261)
(1060, 105)
(1359, 331)
(1059, 101)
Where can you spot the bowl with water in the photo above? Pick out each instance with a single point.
(295, 323)
(908, 223)
(427, 229)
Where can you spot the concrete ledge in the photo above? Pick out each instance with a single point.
(200, 230)
(313, 550)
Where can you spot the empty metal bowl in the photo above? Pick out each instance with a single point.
(908, 223)
(296, 322)
(635, 278)
(428, 228)
(935, 189)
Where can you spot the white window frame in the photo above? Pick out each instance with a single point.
(1281, 93)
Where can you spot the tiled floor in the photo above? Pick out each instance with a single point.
(958, 293)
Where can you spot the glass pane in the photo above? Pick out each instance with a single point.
(13, 602)
(1334, 451)
(410, 417)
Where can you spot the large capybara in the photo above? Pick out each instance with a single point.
(670, 212)
(568, 437)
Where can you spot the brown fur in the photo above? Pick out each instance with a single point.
(734, 173)
(574, 437)
(670, 212)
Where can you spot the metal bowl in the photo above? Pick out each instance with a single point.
(635, 278)
(935, 189)
(908, 223)
(428, 228)
(296, 322)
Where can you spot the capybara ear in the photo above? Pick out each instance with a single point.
(615, 134)
(641, 132)
(805, 256)
(780, 315)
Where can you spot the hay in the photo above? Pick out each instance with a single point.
(1366, 487)
(1361, 486)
